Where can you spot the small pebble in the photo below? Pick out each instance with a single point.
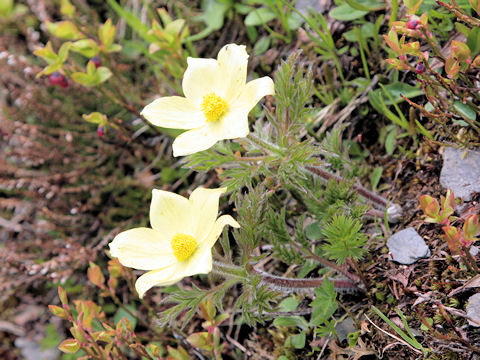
(473, 310)
(406, 247)
(461, 173)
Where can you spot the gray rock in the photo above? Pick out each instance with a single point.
(406, 246)
(304, 5)
(344, 328)
(31, 350)
(473, 310)
(474, 250)
(459, 173)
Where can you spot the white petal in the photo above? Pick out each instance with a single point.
(196, 140)
(200, 262)
(253, 92)
(218, 228)
(200, 78)
(174, 112)
(143, 249)
(232, 62)
(234, 124)
(204, 210)
(170, 214)
(160, 277)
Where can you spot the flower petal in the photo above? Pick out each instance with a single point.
(204, 210)
(253, 92)
(200, 78)
(142, 248)
(160, 277)
(196, 140)
(200, 262)
(217, 228)
(174, 112)
(234, 124)
(170, 214)
(232, 63)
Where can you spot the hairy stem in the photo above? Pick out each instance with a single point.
(284, 283)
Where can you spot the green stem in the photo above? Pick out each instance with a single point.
(228, 270)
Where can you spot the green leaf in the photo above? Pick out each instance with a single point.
(6, 7)
(51, 68)
(261, 45)
(64, 30)
(83, 79)
(259, 16)
(288, 304)
(365, 5)
(291, 321)
(69, 346)
(298, 341)
(346, 13)
(375, 177)
(390, 141)
(314, 231)
(473, 41)
(106, 33)
(113, 48)
(86, 47)
(103, 74)
(294, 21)
(63, 52)
(121, 313)
(465, 110)
(410, 339)
(214, 14)
(95, 118)
(398, 88)
(132, 21)
(325, 304)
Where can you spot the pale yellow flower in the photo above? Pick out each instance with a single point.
(180, 241)
(216, 103)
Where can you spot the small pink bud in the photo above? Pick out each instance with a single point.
(100, 131)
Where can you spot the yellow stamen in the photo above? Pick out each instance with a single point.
(213, 106)
(183, 246)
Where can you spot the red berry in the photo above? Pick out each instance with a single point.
(64, 83)
(56, 78)
(96, 61)
(412, 24)
(100, 131)
(420, 68)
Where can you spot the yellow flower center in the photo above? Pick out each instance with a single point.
(213, 106)
(183, 246)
